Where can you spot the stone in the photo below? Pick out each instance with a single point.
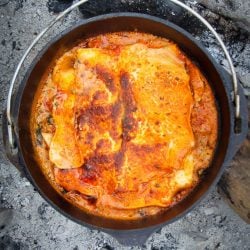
(234, 185)
(197, 236)
(209, 211)
(237, 10)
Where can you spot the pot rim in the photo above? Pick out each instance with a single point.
(36, 60)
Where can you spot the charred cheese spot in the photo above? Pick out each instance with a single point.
(134, 120)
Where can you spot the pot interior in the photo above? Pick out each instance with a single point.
(114, 23)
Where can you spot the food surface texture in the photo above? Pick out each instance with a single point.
(123, 125)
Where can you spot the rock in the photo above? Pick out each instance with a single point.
(209, 211)
(237, 10)
(218, 219)
(60, 229)
(25, 202)
(26, 184)
(245, 80)
(44, 212)
(235, 183)
(197, 236)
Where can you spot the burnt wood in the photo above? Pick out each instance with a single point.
(234, 184)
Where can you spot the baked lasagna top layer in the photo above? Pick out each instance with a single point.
(124, 123)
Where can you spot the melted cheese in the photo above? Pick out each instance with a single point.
(122, 116)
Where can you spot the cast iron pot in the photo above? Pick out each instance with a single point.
(134, 232)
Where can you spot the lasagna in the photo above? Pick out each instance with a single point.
(123, 125)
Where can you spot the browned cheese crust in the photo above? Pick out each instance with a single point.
(123, 124)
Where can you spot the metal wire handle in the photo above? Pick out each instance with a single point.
(72, 7)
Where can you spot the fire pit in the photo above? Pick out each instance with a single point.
(197, 227)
